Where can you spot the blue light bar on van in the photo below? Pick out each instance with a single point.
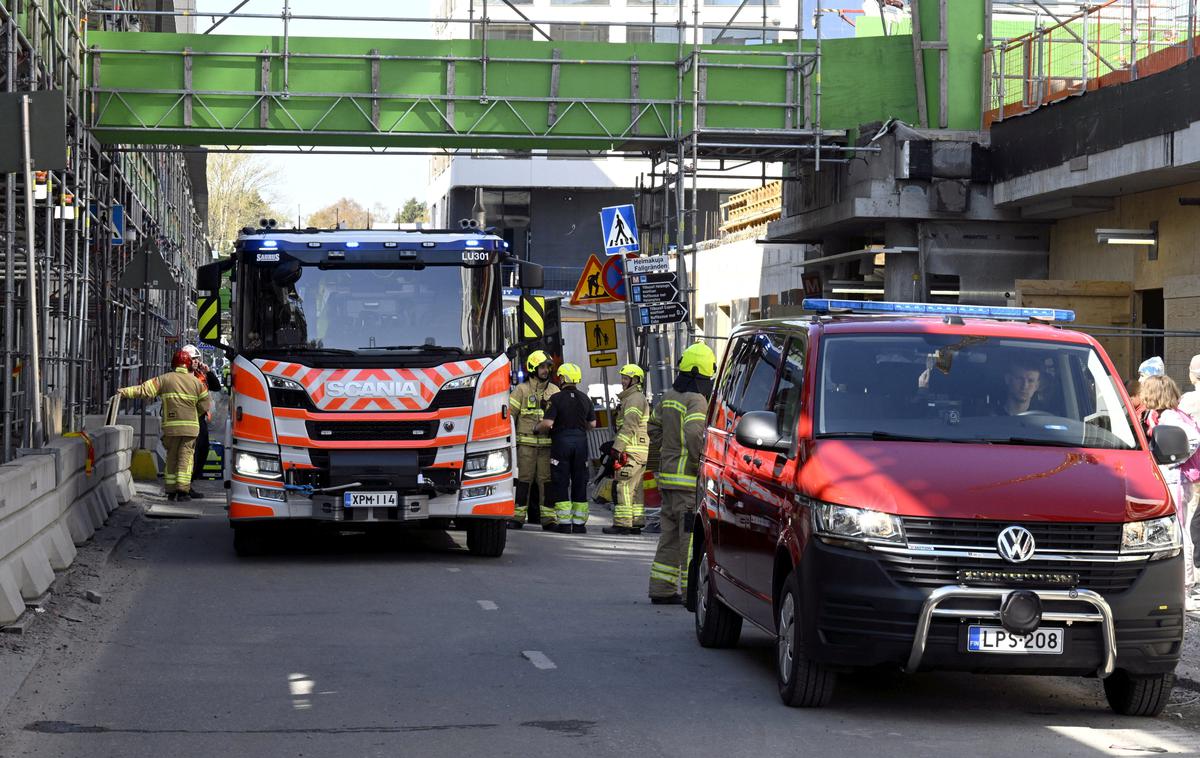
(269, 243)
(822, 305)
(351, 244)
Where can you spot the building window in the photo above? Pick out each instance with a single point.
(579, 32)
(580, 2)
(506, 208)
(647, 33)
(740, 36)
(750, 5)
(504, 31)
(649, 3)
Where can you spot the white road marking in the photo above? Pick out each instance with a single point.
(301, 687)
(488, 605)
(538, 659)
(453, 570)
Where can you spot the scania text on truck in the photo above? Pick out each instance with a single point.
(369, 383)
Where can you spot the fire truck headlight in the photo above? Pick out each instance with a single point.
(261, 466)
(486, 464)
(279, 383)
(462, 383)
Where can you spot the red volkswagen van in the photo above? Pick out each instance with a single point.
(936, 487)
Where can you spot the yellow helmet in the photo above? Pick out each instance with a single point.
(698, 357)
(570, 373)
(633, 371)
(535, 359)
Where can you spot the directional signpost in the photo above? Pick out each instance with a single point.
(661, 313)
(654, 288)
(651, 264)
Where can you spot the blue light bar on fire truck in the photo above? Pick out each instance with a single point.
(821, 305)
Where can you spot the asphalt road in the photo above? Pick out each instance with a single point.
(419, 649)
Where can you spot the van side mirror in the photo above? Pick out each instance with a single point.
(759, 430)
(533, 277)
(1169, 444)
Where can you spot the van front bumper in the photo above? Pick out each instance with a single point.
(856, 615)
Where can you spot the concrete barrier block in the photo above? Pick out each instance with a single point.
(108, 493)
(97, 514)
(16, 486)
(72, 455)
(34, 574)
(105, 440)
(126, 433)
(41, 474)
(125, 489)
(79, 521)
(56, 541)
(12, 605)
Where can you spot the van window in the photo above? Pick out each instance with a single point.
(766, 355)
(969, 388)
(791, 382)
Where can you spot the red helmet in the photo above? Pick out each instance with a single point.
(181, 360)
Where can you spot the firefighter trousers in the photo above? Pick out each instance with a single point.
(628, 508)
(200, 454)
(569, 455)
(533, 473)
(668, 572)
(178, 476)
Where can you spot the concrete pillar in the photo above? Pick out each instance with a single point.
(902, 276)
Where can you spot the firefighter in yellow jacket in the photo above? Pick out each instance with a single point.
(184, 403)
(680, 421)
(527, 406)
(630, 450)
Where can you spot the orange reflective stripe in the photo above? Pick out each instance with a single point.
(491, 427)
(503, 508)
(253, 428)
(246, 510)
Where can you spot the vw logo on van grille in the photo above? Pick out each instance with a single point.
(1015, 544)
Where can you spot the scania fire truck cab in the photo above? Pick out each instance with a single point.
(369, 382)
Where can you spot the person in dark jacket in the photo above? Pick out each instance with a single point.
(568, 417)
(208, 378)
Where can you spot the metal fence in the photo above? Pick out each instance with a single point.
(1045, 51)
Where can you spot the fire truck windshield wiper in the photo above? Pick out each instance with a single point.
(425, 348)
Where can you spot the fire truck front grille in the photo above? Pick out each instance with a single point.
(363, 431)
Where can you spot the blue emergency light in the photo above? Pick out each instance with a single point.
(822, 305)
(269, 243)
(351, 244)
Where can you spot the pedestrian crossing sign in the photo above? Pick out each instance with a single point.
(619, 227)
(590, 290)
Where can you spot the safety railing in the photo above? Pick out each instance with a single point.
(1041, 53)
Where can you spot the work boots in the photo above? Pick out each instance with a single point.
(617, 530)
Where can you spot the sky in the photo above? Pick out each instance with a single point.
(309, 182)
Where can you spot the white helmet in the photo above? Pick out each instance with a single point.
(191, 350)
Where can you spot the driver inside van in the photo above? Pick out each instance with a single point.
(1022, 380)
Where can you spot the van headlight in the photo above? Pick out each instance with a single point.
(261, 466)
(1160, 536)
(486, 464)
(860, 524)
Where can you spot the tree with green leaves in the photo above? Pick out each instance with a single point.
(241, 190)
(412, 212)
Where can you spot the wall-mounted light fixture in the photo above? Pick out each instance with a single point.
(1127, 236)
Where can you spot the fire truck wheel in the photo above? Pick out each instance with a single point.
(486, 537)
(248, 540)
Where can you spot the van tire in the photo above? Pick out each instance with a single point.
(803, 683)
(1138, 695)
(717, 626)
(249, 540)
(487, 537)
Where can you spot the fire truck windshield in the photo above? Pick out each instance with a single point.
(426, 309)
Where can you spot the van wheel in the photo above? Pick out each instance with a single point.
(249, 540)
(803, 683)
(1133, 695)
(716, 625)
(486, 537)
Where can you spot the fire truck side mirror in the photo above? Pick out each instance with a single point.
(532, 276)
(208, 304)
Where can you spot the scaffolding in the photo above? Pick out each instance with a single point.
(1041, 51)
(71, 337)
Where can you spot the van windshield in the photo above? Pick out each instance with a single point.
(939, 387)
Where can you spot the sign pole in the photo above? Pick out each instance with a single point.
(35, 372)
(631, 333)
(604, 378)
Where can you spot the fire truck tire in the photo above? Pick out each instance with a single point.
(248, 540)
(486, 537)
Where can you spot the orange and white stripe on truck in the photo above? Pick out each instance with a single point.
(251, 405)
(355, 390)
(491, 428)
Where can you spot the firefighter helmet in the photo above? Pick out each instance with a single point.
(535, 359)
(699, 358)
(192, 350)
(181, 359)
(570, 373)
(633, 371)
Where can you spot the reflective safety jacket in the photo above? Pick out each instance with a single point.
(632, 437)
(184, 401)
(678, 420)
(527, 406)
